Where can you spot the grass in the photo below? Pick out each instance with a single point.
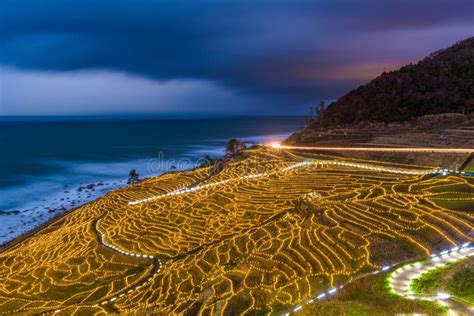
(462, 206)
(462, 284)
(371, 296)
(461, 187)
(470, 167)
(455, 278)
(427, 282)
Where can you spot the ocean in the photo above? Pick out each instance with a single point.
(49, 165)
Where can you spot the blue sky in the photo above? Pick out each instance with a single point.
(62, 57)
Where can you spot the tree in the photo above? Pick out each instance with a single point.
(442, 83)
(206, 160)
(132, 177)
(320, 109)
(468, 106)
(234, 146)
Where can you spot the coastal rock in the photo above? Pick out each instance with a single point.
(14, 212)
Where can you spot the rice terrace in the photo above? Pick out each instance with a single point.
(274, 229)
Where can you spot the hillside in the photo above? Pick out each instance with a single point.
(441, 83)
(272, 230)
(436, 130)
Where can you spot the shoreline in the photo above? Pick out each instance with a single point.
(27, 234)
(13, 242)
(24, 236)
(20, 223)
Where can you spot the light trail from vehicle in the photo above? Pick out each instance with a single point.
(380, 149)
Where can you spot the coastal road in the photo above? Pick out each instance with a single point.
(402, 278)
(379, 149)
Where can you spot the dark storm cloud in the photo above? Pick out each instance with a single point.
(292, 48)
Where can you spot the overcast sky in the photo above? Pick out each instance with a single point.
(60, 57)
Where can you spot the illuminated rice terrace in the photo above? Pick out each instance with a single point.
(269, 232)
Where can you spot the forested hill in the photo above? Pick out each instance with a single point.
(441, 83)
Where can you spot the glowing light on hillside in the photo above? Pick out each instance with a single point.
(381, 149)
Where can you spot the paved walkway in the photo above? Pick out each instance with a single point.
(156, 267)
(402, 278)
(341, 163)
(155, 262)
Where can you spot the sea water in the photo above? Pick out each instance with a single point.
(49, 165)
